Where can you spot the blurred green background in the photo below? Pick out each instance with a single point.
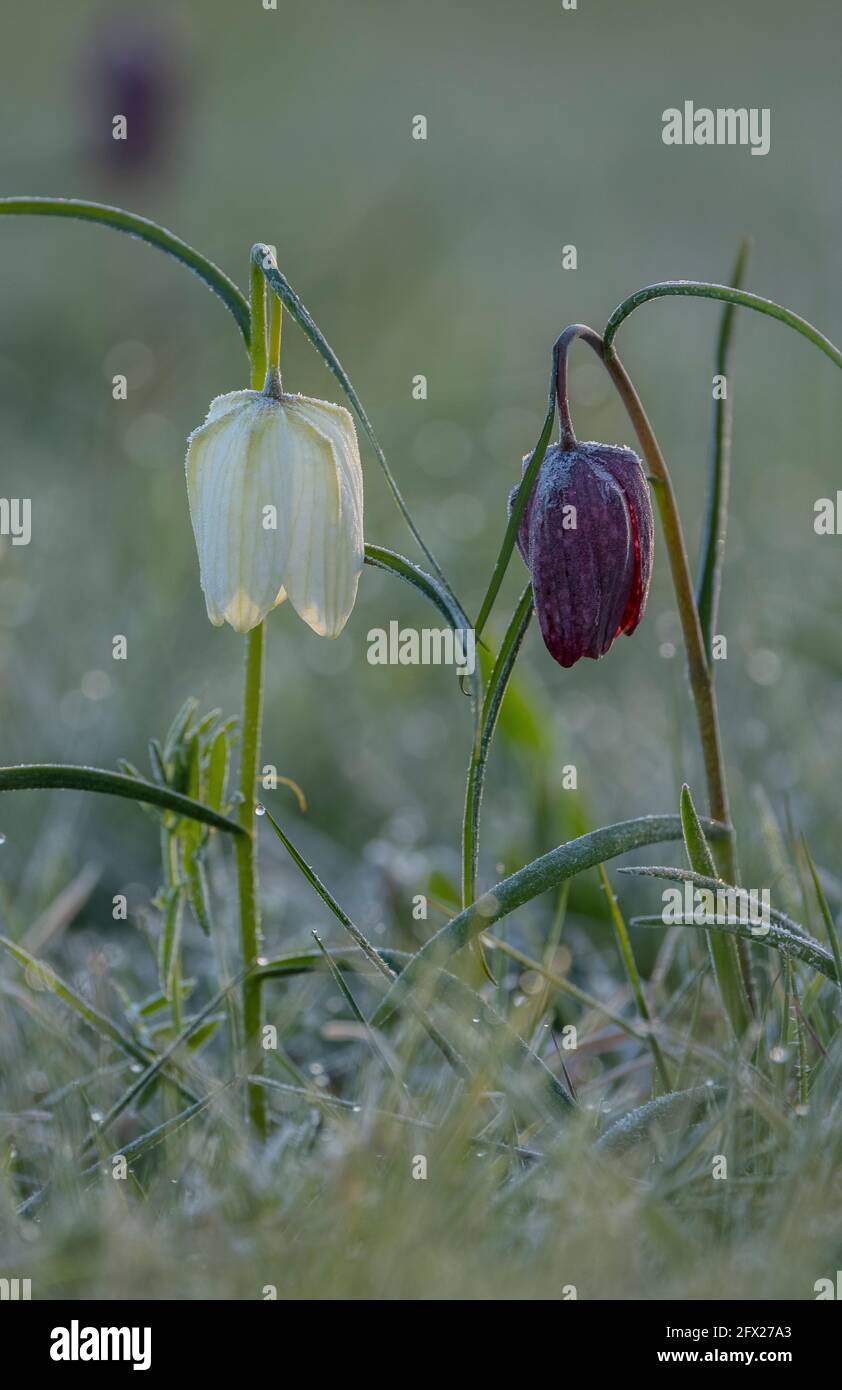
(444, 258)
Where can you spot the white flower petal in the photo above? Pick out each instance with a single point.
(326, 554)
(221, 406)
(235, 469)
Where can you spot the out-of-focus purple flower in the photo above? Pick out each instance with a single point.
(132, 70)
(586, 535)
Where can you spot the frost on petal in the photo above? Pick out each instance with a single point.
(221, 406)
(590, 579)
(627, 470)
(235, 483)
(322, 462)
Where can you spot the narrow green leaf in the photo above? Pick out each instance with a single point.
(712, 552)
(557, 982)
(158, 1062)
(701, 290)
(627, 955)
(775, 937)
(42, 975)
(723, 952)
(698, 849)
(374, 956)
(527, 883)
(676, 1108)
(144, 1142)
(199, 897)
(328, 899)
(141, 227)
(218, 770)
(178, 729)
(27, 776)
(171, 941)
(462, 1003)
(713, 885)
(348, 995)
(205, 1033)
(800, 1035)
(156, 762)
(824, 908)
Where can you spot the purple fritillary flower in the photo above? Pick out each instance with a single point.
(586, 536)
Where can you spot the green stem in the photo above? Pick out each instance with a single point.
(258, 355)
(483, 734)
(701, 682)
(700, 290)
(276, 321)
(699, 668)
(250, 933)
(712, 550)
(252, 720)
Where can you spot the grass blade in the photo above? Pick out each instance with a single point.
(348, 995)
(328, 899)
(824, 908)
(630, 963)
(678, 1106)
(702, 290)
(712, 553)
(462, 1001)
(527, 883)
(45, 976)
(723, 951)
(28, 776)
(778, 938)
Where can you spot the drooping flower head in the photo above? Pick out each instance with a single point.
(276, 501)
(586, 535)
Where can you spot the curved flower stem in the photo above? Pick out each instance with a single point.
(712, 549)
(701, 290)
(250, 933)
(566, 433)
(701, 679)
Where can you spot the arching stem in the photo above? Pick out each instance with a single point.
(701, 680)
